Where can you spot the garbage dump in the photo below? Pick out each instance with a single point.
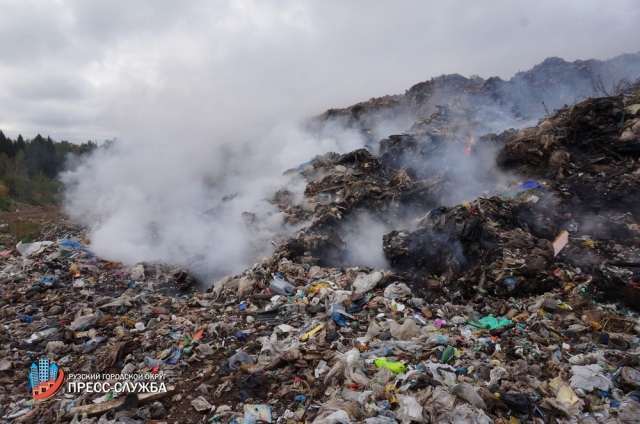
(515, 306)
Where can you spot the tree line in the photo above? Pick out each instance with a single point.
(28, 168)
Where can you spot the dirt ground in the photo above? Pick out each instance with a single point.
(24, 222)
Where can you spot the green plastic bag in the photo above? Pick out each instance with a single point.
(489, 323)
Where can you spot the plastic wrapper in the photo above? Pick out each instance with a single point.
(468, 393)
(397, 290)
(589, 377)
(353, 396)
(240, 358)
(406, 331)
(409, 410)
(380, 380)
(366, 282)
(255, 413)
(245, 285)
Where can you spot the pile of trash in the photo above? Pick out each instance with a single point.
(295, 342)
(518, 306)
(530, 94)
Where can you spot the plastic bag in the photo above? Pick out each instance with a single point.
(255, 413)
(441, 401)
(380, 380)
(467, 392)
(630, 413)
(406, 331)
(566, 396)
(336, 417)
(350, 366)
(219, 286)
(589, 377)
(444, 374)
(86, 321)
(244, 286)
(353, 396)
(464, 414)
(267, 346)
(409, 410)
(239, 359)
(630, 376)
(137, 273)
(372, 331)
(316, 273)
(396, 290)
(320, 369)
(496, 374)
(353, 368)
(438, 339)
(71, 243)
(28, 249)
(337, 411)
(337, 317)
(489, 323)
(366, 282)
(200, 404)
(380, 419)
(336, 370)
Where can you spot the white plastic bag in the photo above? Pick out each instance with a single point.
(589, 377)
(366, 282)
(409, 410)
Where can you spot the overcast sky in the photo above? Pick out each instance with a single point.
(80, 70)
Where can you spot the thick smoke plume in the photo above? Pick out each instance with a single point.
(208, 202)
(174, 201)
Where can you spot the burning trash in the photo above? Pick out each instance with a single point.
(470, 142)
(447, 274)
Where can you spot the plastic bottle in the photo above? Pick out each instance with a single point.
(380, 352)
(394, 367)
(281, 287)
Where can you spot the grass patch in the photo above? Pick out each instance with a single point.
(5, 203)
(24, 231)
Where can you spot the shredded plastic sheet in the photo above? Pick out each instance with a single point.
(255, 413)
(28, 249)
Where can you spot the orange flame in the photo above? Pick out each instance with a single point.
(470, 142)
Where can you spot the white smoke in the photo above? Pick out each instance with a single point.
(194, 193)
(151, 198)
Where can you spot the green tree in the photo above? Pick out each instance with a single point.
(41, 157)
(6, 145)
(19, 145)
(88, 147)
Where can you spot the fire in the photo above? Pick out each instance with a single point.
(470, 142)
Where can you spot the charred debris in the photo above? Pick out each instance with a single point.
(512, 258)
(573, 180)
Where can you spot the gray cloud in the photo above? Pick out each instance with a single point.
(93, 70)
(207, 96)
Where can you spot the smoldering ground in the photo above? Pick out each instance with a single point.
(208, 204)
(186, 199)
(172, 202)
